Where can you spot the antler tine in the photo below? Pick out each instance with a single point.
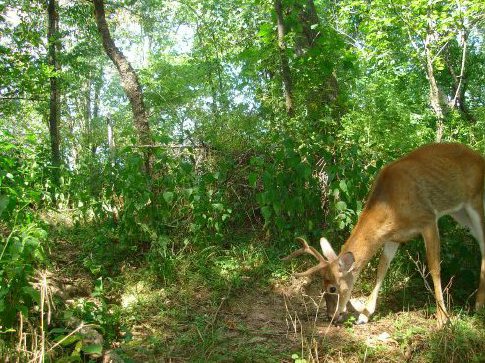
(312, 251)
(311, 270)
(300, 251)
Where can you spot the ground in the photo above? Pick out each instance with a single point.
(276, 323)
(231, 307)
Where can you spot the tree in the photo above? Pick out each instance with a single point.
(130, 83)
(284, 62)
(429, 38)
(54, 108)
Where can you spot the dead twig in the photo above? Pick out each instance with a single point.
(421, 268)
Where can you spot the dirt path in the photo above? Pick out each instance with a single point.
(293, 321)
(285, 322)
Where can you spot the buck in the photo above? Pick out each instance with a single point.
(407, 199)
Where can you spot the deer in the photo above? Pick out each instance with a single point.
(407, 198)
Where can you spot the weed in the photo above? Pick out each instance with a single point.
(460, 341)
(296, 359)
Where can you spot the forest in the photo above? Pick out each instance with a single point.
(158, 159)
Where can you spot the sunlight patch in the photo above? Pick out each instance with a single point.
(138, 293)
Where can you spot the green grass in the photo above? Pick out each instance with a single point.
(190, 305)
(463, 340)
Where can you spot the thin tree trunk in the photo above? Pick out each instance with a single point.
(88, 108)
(308, 16)
(285, 65)
(460, 81)
(97, 91)
(326, 89)
(129, 80)
(436, 96)
(111, 139)
(55, 96)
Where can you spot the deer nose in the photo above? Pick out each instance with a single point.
(341, 317)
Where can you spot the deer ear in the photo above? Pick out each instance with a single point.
(346, 262)
(327, 249)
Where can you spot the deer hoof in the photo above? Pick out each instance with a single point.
(363, 319)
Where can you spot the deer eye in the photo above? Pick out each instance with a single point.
(332, 289)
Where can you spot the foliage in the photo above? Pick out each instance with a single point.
(460, 341)
(21, 253)
(232, 173)
(22, 236)
(289, 192)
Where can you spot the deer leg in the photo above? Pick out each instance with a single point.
(476, 214)
(432, 243)
(388, 253)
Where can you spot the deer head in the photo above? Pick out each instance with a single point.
(336, 272)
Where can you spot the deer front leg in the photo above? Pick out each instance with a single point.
(432, 243)
(388, 254)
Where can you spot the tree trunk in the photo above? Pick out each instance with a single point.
(55, 96)
(285, 65)
(94, 119)
(308, 17)
(460, 80)
(129, 81)
(88, 109)
(436, 97)
(111, 139)
(325, 89)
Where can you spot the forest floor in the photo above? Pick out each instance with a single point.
(232, 307)
(284, 324)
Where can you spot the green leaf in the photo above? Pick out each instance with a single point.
(277, 208)
(218, 207)
(168, 197)
(189, 191)
(76, 352)
(33, 293)
(359, 206)
(252, 179)
(93, 349)
(66, 340)
(4, 200)
(266, 212)
(69, 359)
(341, 206)
(266, 33)
(59, 331)
(256, 161)
(343, 186)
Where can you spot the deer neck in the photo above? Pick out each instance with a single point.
(367, 237)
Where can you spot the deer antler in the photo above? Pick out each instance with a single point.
(312, 251)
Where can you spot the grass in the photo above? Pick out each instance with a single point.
(241, 304)
(463, 340)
